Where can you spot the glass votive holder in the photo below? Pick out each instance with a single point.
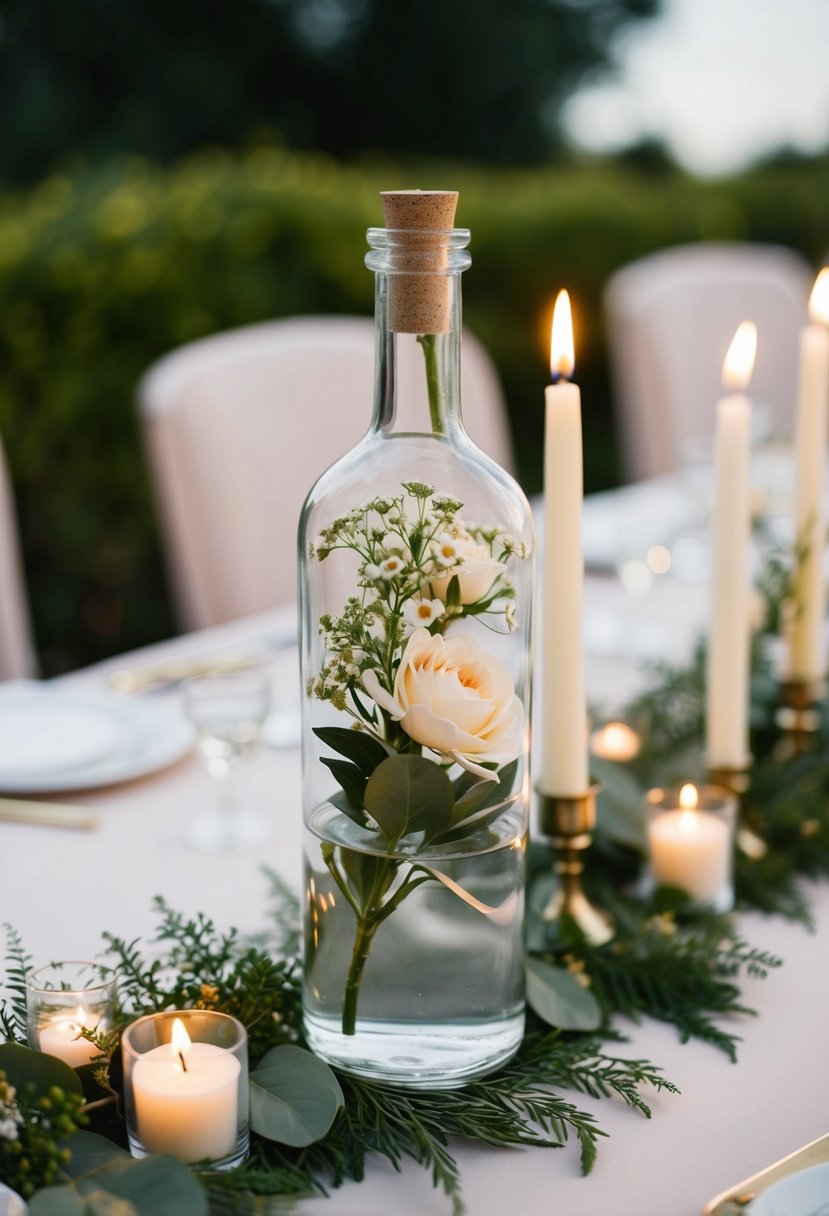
(186, 1087)
(690, 834)
(63, 1000)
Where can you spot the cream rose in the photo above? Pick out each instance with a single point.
(462, 556)
(452, 697)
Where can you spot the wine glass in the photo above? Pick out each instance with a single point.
(227, 712)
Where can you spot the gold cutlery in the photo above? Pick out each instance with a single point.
(172, 671)
(46, 814)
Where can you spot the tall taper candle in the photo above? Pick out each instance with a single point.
(806, 650)
(563, 769)
(729, 641)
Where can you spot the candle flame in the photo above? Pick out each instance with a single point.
(819, 299)
(562, 356)
(180, 1041)
(739, 362)
(688, 797)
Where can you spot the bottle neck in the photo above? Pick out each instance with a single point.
(418, 330)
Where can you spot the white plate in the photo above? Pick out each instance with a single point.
(69, 740)
(805, 1193)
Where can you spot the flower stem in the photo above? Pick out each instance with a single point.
(366, 928)
(429, 344)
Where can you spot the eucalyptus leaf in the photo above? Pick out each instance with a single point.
(24, 1067)
(57, 1201)
(360, 748)
(352, 780)
(155, 1186)
(409, 794)
(294, 1097)
(559, 999)
(89, 1152)
(620, 806)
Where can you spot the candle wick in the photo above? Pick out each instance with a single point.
(181, 1057)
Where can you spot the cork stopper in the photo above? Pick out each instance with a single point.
(420, 301)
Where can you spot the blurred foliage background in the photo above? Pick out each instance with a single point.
(176, 169)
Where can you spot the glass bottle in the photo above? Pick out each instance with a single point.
(416, 573)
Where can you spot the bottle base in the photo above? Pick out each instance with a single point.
(428, 1056)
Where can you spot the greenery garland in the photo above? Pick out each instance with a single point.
(667, 960)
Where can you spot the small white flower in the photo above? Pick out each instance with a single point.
(371, 571)
(422, 612)
(8, 1129)
(446, 550)
(509, 616)
(391, 567)
(351, 669)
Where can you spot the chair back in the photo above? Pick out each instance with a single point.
(670, 319)
(16, 648)
(239, 426)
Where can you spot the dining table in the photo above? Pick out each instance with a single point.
(61, 888)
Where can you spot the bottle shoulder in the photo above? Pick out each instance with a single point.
(451, 465)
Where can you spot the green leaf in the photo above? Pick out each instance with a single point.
(485, 793)
(57, 1201)
(24, 1067)
(294, 1097)
(362, 749)
(559, 999)
(156, 1186)
(453, 593)
(352, 780)
(89, 1152)
(341, 801)
(409, 794)
(620, 805)
(474, 800)
(368, 875)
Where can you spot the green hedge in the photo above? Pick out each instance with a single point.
(103, 271)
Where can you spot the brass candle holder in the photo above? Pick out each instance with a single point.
(568, 823)
(736, 778)
(798, 716)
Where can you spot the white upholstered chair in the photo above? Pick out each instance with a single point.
(238, 427)
(16, 647)
(670, 318)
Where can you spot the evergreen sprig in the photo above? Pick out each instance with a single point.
(13, 1011)
(203, 969)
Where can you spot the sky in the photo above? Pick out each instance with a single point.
(720, 81)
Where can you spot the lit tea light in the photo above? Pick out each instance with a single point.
(615, 741)
(64, 1001)
(690, 842)
(186, 1098)
(62, 1036)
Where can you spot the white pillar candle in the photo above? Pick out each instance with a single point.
(186, 1099)
(806, 652)
(730, 635)
(61, 1037)
(563, 768)
(690, 848)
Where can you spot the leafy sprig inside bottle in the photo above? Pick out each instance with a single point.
(438, 724)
